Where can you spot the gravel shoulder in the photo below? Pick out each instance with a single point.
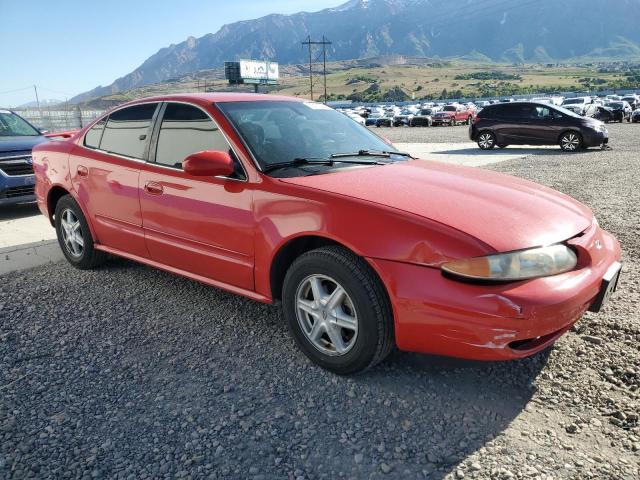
(129, 372)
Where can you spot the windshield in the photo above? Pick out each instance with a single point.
(449, 108)
(426, 111)
(282, 131)
(11, 125)
(573, 101)
(617, 105)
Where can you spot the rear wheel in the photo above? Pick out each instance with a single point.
(74, 235)
(337, 310)
(469, 119)
(486, 140)
(570, 142)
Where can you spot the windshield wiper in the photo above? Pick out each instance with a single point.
(370, 153)
(299, 162)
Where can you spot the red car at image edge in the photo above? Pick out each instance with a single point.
(366, 248)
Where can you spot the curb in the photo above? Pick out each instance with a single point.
(29, 255)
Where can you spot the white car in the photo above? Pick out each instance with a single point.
(356, 118)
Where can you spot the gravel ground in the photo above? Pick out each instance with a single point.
(129, 372)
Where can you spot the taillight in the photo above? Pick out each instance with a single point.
(476, 120)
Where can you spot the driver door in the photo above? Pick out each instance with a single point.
(200, 225)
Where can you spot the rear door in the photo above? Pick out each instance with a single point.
(201, 225)
(104, 173)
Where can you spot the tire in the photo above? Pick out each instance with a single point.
(453, 123)
(486, 140)
(571, 141)
(364, 303)
(469, 120)
(71, 228)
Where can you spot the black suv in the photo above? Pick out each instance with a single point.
(530, 123)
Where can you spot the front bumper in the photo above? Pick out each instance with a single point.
(442, 120)
(16, 189)
(440, 316)
(593, 138)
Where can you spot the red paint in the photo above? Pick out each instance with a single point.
(405, 219)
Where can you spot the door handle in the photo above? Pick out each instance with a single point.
(154, 188)
(82, 171)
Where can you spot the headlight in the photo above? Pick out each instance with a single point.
(514, 266)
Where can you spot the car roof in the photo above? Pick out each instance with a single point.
(218, 97)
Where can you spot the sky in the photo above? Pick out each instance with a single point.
(66, 47)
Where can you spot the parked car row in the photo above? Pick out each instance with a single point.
(609, 108)
(423, 115)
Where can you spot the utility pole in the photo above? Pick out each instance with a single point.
(309, 43)
(324, 66)
(37, 99)
(324, 44)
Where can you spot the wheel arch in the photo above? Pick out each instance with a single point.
(572, 130)
(56, 192)
(53, 197)
(292, 248)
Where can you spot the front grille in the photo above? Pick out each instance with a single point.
(16, 166)
(14, 192)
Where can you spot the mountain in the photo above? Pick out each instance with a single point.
(47, 102)
(498, 30)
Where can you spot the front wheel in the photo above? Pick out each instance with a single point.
(486, 140)
(337, 310)
(570, 142)
(74, 235)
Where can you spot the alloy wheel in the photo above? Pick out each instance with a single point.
(570, 142)
(326, 315)
(72, 234)
(485, 141)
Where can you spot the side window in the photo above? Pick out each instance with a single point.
(184, 130)
(127, 130)
(94, 134)
(541, 113)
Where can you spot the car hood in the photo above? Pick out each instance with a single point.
(19, 144)
(505, 212)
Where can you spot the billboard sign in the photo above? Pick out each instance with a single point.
(252, 71)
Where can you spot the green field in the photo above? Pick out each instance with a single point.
(374, 81)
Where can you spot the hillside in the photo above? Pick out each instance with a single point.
(480, 30)
(400, 78)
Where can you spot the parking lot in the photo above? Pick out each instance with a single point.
(130, 372)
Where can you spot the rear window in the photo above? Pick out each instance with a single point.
(127, 131)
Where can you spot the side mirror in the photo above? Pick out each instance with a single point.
(43, 131)
(208, 163)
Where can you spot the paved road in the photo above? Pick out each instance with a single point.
(129, 372)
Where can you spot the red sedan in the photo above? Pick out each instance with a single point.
(285, 200)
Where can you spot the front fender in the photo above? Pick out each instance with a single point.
(285, 212)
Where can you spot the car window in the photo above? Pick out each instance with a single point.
(127, 130)
(94, 134)
(11, 125)
(184, 130)
(541, 113)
